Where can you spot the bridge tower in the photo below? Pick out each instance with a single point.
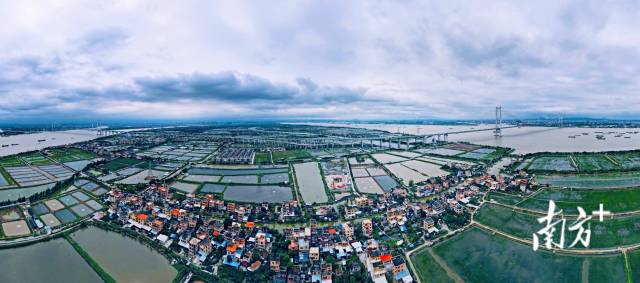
(561, 121)
(498, 130)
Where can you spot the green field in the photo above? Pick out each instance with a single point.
(628, 160)
(13, 161)
(504, 198)
(614, 200)
(36, 158)
(593, 162)
(634, 265)
(585, 162)
(290, 155)
(427, 268)
(612, 180)
(506, 220)
(551, 163)
(70, 154)
(478, 256)
(609, 233)
(121, 163)
(263, 158)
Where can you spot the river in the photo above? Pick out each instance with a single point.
(36, 141)
(27, 142)
(524, 139)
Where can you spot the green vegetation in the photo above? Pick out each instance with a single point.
(36, 158)
(628, 160)
(634, 265)
(263, 158)
(121, 163)
(593, 162)
(609, 180)
(584, 162)
(497, 154)
(12, 161)
(94, 265)
(551, 163)
(480, 257)
(427, 268)
(504, 198)
(7, 177)
(506, 220)
(614, 200)
(606, 268)
(290, 155)
(609, 233)
(64, 155)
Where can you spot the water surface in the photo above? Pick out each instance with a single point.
(524, 139)
(51, 261)
(124, 258)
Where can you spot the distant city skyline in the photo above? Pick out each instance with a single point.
(202, 60)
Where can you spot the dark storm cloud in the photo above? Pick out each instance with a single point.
(243, 88)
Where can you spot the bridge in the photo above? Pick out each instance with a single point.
(443, 136)
(497, 130)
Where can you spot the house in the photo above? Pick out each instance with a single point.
(274, 264)
(314, 253)
(255, 266)
(400, 272)
(367, 227)
(347, 230)
(428, 224)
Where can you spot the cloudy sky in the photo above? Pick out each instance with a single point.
(318, 59)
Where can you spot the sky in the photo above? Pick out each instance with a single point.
(185, 60)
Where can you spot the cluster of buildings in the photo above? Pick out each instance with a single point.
(209, 231)
(184, 227)
(235, 156)
(324, 254)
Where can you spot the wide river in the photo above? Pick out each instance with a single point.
(524, 139)
(36, 141)
(27, 142)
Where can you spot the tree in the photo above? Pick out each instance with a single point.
(331, 259)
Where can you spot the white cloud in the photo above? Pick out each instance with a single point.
(407, 59)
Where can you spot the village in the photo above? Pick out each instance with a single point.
(358, 225)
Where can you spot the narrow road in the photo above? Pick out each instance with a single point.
(32, 239)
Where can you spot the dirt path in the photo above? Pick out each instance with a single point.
(585, 271)
(452, 274)
(627, 268)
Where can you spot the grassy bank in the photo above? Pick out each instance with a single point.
(94, 265)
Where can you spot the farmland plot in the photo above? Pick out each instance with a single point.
(551, 163)
(406, 174)
(428, 169)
